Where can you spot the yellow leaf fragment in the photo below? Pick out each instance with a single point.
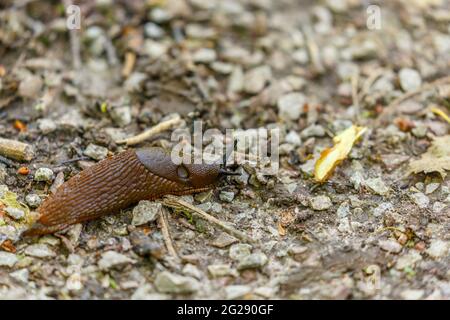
(436, 159)
(441, 113)
(331, 157)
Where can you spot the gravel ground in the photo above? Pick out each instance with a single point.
(374, 230)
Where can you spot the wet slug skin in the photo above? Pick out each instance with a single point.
(118, 182)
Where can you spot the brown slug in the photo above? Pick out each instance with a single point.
(116, 183)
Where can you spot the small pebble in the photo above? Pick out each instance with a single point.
(43, 175)
(46, 126)
(320, 203)
(293, 138)
(168, 282)
(96, 152)
(420, 199)
(226, 196)
(410, 79)
(39, 251)
(290, 106)
(20, 275)
(255, 79)
(377, 186)
(412, 294)
(111, 259)
(30, 87)
(121, 115)
(239, 251)
(314, 130)
(390, 246)
(152, 30)
(431, 187)
(438, 249)
(15, 213)
(252, 261)
(204, 55)
(221, 270)
(7, 259)
(145, 212)
(33, 200)
(236, 291)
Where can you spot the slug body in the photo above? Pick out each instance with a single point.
(118, 182)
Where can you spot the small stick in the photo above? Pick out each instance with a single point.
(166, 235)
(177, 203)
(16, 150)
(160, 127)
(313, 49)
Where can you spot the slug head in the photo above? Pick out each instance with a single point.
(192, 176)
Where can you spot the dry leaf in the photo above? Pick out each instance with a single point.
(331, 157)
(436, 159)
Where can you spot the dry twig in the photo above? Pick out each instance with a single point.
(16, 150)
(174, 202)
(166, 234)
(160, 127)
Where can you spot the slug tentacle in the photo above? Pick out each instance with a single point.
(118, 182)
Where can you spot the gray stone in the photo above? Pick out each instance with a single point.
(221, 270)
(438, 249)
(121, 115)
(30, 87)
(438, 207)
(236, 291)
(290, 105)
(320, 203)
(408, 260)
(256, 78)
(377, 186)
(154, 49)
(226, 196)
(194, 30)
(382, 209)
(152, 30)
(410, 79)
(43, 175)
(112, 259)
(95, 152)
(33, 200)
(412, 294)
(15, 213)
(293, 138)
(420, 199)
(20, 275)
(8, 232)
(192, 271)
(46, 126)
(314, 130)
(252, 261)
(390, 246)
(7, 259)
(146, 211)
(204, 55)
(236, 80)
(239, 251)
(39, 250)
(168, 282)
(242, 178)
(431, 187)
